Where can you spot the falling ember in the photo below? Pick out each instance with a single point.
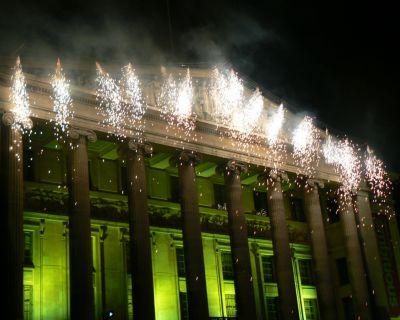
(378, 180)
(344, 157)
(20, 99)
(110, 107)
(227, 94)
(133, 98)
(176, 100)
(306, 144)
(62, 102)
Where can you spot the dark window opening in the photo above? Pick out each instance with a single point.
(306, 272)
(174, 187)
(29, 170)
(180, 262)
(183, 305)
(91, 185)
(227, 266)
(128, 257)
(28, 249)
(272, 304)
(297, 209)
(124, 180)
(311, 309)
(332, 209)
(219, 196)
(260, 202)
(268, 268)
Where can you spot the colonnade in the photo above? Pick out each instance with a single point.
(81, 282)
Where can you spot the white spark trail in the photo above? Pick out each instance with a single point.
(378, 180)
(62, 101)
(176, 100)
(20, 99)
(306, 145)
(133, 98)
(111, 108)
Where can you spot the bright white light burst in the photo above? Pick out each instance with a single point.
(306, 144)
(111, 108)
(274, 126)
(62, 102)
(245, 119)
(133, 98)
(20, 99)
(227, 94)
(176, 100)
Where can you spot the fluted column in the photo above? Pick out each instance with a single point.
(80, 241)
(282, 251)
(12, 194)
(139, 232)
(369, 246)
(355, 263)
(246, 308)
(192, 242)
(322, 268)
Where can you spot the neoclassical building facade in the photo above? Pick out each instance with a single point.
(175, 228)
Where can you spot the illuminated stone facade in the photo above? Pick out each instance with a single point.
(298, 260)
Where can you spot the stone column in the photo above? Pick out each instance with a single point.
(358, 277)
(322, 266)
(369, 246)
(244, 292)
(11, 222)
(139, 231)
(192, 242)
(282, 250)
(80, 240)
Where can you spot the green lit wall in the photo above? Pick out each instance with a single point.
(46, 280)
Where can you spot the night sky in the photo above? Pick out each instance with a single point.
(334, 60)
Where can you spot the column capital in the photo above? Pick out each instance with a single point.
(8, 119)
(75, 133)
(134, 147)
(232, 166)
(186, 157)
(314, 183)
(274, 176)
(145, 148)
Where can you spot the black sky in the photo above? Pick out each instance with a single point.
(338, 61)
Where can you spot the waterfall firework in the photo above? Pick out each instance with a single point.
(62, 102)
(20, 99)
(226, 91)
(306, 145)
(245, 119)
(273, 129)
(274, 126)
(133, 98)
(176, 100)
(111, 108)
(343, 155)
(378, 180)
